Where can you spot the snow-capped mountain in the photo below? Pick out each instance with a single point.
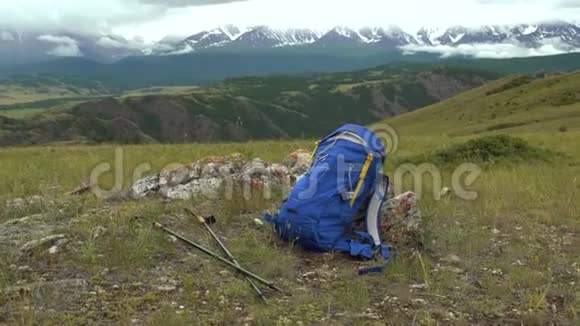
(266, 37)
(566, 32)
(24, 47)
(527, 35)
(339, 36)
(263, 37)
(389, 38)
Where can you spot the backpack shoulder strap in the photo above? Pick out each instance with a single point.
(368, 244)
(373, 219)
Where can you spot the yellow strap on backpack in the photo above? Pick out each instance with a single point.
(315, 150)
(361, 180)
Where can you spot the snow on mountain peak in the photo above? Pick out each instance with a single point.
(388, 37)
(527, 30)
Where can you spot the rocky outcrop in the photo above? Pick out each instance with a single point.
(217, 176)
(402, 223)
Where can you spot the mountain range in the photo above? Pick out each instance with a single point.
(19, 47)
(389, 38)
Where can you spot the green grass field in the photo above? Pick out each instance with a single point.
(20, 113)
(165, 90)
(517, 244)
(25, 96)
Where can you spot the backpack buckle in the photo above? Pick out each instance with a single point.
(347, 195)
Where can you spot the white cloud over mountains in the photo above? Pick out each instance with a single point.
(494, 51)
(6, 36)
(155, 19)
(64, 46)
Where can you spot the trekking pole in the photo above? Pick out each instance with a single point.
(203, 221)
(218, 257)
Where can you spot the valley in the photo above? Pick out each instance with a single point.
(252, 108)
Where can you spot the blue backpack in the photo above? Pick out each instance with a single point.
(344, 179)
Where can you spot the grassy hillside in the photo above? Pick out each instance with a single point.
(248, 108)
(514, 248)
(513, 104)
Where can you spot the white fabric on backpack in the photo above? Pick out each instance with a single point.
(373, 210)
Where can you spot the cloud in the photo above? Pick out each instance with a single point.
(64, 46)
(110, 43)
(567, 4)
(155, 19)
(494, 51)
(6, 36)
(186, 3)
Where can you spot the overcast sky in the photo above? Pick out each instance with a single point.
(154, 19)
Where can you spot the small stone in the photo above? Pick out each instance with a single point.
(40, 245)
(454, 259)
(495, 231)
(98, 232)
(419, 301)
(24, 269)
(99, 290)
(497, 272)
(418, 286)
(53, 250)
(444, 192)
(167, 288)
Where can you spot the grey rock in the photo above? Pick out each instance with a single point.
(145, 186)
(402, 221)
(40, 245)
(206, 178)
(22, 203)
(17, 232)
(452, 259)
(166, 288)
(98, 232)
(256, 168)
(57, 246)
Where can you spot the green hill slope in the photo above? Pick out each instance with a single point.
(248, 108)
(512, 104)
